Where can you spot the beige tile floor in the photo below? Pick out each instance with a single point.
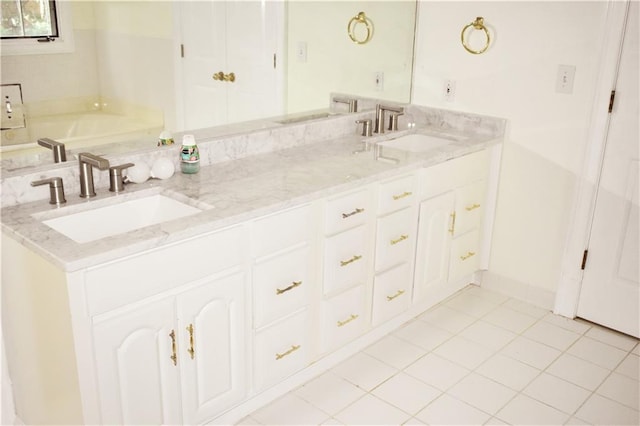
(477, 358)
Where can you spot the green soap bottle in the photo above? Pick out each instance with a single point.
(189, 155)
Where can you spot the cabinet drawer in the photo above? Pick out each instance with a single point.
(465, 256)
(280, 285)
(343, 318)
(396, 194)
(395, 238)
(347, 211)
(469, 207)
(281, 230)
(391, 293)
(345, 259)
(281, 349)
(134, 278)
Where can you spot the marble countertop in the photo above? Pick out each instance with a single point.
(230, 193)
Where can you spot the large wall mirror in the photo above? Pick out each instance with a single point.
(139, 67)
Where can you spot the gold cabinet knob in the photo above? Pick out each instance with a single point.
(218, 76)
(231, 77)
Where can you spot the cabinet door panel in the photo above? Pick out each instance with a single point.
(434, 242)
(281, 230)
(395, 239)
(211, 353)
(138, 382)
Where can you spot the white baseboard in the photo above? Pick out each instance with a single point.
(536, 296)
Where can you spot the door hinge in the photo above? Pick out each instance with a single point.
(611, 99)
(584, 259)
(274, 61)
(182, 50)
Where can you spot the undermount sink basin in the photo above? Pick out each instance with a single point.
(115, 219)
(416, 142)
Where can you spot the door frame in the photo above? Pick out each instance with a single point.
(581, 216)
(177, 60)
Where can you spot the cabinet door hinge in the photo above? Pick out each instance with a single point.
(182, 50)
(584, 259)
(611, 99)
(274, 61)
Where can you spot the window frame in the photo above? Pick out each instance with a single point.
(64, 43)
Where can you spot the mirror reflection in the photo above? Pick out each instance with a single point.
(136, 68)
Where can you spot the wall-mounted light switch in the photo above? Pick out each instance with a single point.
(379, 81)
(301, 51)
(564, 79)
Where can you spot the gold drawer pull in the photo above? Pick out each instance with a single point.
(399, 293)
(348, 320)
(293, 349)
(356, 211)
(353, 259)
(402, 238)
(174, 355)
(453, 223)
(472, 207)
(291, 287)
(468, 255)
(191, 350)
(403, 195)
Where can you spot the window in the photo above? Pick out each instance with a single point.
(29, 19)
(35, 27)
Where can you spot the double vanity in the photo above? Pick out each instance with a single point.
(199, 298)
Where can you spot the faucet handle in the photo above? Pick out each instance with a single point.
(366, 126)
(393, 120)
(56, 189)
(116, 179)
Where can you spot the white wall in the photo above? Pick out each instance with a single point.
(547, 131)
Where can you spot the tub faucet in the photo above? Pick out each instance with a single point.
(59, 153)
(380, 109)
(87, 163)
(353, 103)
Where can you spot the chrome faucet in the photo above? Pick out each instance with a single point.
(59, 154)
(87, 163)
(353, 103)
(380, 109)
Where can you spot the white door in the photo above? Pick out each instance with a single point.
(434, 244)
(610, 288)
(138, 381)
(240, 41)
(212, 355)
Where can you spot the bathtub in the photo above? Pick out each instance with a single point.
(76, 130)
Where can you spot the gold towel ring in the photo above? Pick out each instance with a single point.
(360, 18)
(478, 24)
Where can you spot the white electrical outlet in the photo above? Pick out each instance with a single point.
(564, 79)
(449, 90)
(379, 81)
(301, 51)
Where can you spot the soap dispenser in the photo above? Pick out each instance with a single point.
(189, 155)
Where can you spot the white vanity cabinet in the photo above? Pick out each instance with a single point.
(282, 253)
(450, 225)
(176, 360)
(176, 356)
